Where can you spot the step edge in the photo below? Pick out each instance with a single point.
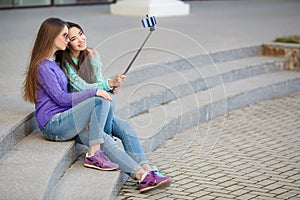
(241, 73)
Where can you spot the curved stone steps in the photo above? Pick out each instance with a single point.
(140, 73)
(162, 122)
(20, 129)
(182, 113)
(237, 81)
(140, 97)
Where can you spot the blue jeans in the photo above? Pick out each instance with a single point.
(72, 124)
(85, 120)
(125, 132)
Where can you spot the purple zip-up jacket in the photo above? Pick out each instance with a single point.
(53, 94)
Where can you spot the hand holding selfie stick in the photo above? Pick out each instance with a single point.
(147, 22)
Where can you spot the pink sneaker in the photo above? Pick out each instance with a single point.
(99, 161)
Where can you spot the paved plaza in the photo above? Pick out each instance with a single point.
(251, 153)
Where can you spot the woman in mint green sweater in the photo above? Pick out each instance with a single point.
(83, 66)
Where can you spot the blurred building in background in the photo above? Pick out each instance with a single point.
(44, 3)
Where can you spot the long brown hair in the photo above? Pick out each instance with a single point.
(42, 48)
(84, 67)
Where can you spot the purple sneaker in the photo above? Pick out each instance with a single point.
(153, 181)
(158, 173)
(99, 161)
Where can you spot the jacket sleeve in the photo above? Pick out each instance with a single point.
(52, 81)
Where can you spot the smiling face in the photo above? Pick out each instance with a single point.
(62, 40)
(77, 40)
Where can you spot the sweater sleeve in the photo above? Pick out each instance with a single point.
(52, 81)
(78, 84)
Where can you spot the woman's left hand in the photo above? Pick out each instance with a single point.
(104, 95)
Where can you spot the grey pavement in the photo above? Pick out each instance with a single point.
(255, 156)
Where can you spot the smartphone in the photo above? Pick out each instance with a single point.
(149, 21)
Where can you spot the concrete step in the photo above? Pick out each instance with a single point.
(16, 133)
(164, 121)
(80, 182)
(33, 166)
(140, 97)
(139, 74)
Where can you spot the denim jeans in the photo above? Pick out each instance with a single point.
(125, 132)
(131, 143)
(117, 155)
(72, 124)
(85, 120)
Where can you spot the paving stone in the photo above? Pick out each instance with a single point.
(199, 194)
(262, 194)
(287, 195)
(278, 191)
(189, 185)
(247, 196)
(194, 189)
(234, 187)
(228, 183)
(239, 192)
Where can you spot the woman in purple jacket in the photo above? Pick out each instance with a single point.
(46, 86)
(80, 115)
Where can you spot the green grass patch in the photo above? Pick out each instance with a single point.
(289, 39)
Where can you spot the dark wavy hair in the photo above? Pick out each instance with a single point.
(84, 67)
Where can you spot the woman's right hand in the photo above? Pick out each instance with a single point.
(117, 81)
(104, 95)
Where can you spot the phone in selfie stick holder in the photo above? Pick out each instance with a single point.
(147, 22)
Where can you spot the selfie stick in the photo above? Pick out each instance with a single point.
(147, 22)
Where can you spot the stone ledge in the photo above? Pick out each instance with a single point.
(289, 51)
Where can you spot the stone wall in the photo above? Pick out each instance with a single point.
(290, 51)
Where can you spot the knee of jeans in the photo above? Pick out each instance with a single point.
(101, 101)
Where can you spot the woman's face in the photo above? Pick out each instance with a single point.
(77, 39)
(62, 40)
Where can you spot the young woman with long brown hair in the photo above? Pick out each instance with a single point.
(62, 115)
